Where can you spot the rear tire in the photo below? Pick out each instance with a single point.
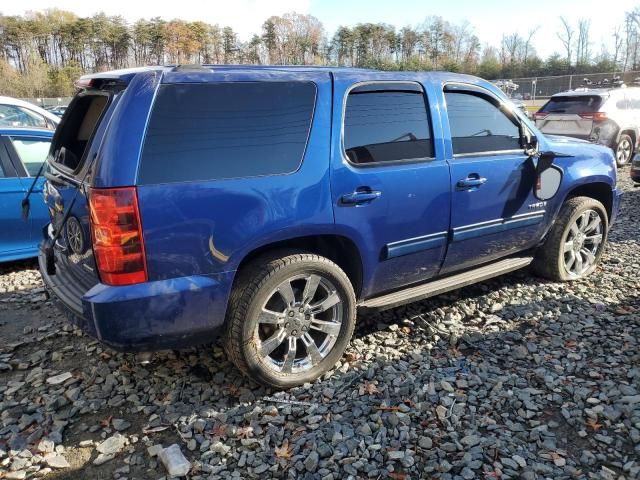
(624, 150)
(575, 243)
(290, 318)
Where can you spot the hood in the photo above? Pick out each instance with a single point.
(565, 139)
(576, 151)
(576, 146)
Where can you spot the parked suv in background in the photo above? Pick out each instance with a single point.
(267, 204)
(609, 116)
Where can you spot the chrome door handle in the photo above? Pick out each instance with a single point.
(359, 197)
(470, 182)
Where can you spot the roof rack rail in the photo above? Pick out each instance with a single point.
(194, 67)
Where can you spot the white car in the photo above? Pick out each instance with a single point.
(608, 115)
(18, 113)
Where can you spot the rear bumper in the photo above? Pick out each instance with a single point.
(172, 313)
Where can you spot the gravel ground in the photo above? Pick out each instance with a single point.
(512, 378)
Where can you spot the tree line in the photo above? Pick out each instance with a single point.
(43, 53)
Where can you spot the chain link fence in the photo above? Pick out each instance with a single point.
(533, 88)
(49, 102)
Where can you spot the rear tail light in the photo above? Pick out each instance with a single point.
(595, 116)
(116, 232)
(540, 115)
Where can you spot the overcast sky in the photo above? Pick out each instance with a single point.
(490, 18)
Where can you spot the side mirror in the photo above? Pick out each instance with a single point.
(548, 177)
(529, 142)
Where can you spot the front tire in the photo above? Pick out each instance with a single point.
(575, 243)
(624, 150)
(290, 319)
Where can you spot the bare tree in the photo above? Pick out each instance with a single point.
(583, 55)
(617, 45)
(527, 44)
(566, 37)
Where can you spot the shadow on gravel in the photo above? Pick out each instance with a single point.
(519, 362)
(627, 226)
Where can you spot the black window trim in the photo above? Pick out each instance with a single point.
(303, 156)
(505, 108)
(5, 160)
(418, 87)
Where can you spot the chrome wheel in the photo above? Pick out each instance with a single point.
(299, 324)
(582, 242)
(624, 151)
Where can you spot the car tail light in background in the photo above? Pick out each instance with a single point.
(116, 232)
(540, 115)
(595, 116)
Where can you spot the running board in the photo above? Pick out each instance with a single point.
(436, 287)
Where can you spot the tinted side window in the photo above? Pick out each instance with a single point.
(32, 152)
(386, 124)
(477, 125)
(227, 130)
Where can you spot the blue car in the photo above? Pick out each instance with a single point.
(268, 204)
(22, 152)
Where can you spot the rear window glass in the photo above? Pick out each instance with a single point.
(226, 130)
(573, 104)
(75, 133)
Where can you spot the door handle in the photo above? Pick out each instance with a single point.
(471, 181)
(359, 197)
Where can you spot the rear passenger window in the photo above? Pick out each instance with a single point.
(386, 123)
(479, 126)
(226, 130)
(32, 152)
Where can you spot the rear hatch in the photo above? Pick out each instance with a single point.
(571, 115)
(68, 176)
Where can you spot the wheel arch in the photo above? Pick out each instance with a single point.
(600, 191)
(632, 132)
(338, 248)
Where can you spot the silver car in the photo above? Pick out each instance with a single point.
(608, 116)
(20, 113)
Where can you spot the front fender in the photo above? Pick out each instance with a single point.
(587, 168)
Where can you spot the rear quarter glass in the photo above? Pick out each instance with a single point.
(226, 130)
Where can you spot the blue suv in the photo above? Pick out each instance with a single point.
(268, 204)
